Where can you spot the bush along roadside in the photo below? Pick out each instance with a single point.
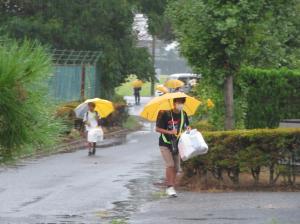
(273, 154)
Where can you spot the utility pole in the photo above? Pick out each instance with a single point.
(153, 61)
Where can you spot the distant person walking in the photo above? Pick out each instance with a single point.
(94, 131)
(136, 93)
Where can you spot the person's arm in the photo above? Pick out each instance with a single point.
(85, 119)
(165, 131)
(98, 118)
(187, 122)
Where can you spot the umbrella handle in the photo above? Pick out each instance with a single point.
(172, 115)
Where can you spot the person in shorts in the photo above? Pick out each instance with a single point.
(94, 132)
(170, 124)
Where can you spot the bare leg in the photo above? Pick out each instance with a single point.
(171, 176)
(90, 148)
(94, 148)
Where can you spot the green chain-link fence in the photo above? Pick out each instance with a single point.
(65, 83)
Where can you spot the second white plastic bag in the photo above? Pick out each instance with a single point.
(191, 144)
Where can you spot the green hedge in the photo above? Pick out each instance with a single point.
(249, 151)
(271, 95)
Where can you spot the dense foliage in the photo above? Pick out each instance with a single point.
(271, 95)
(25, 114)
(205, 89)
(232, 153)
(219, 37)
(263, 97)
(104, 26)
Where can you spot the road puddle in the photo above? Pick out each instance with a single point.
(141, 190)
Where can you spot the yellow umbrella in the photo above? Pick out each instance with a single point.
(174, 83)
(103, 107)
(165, 102)
(162, 88)
(137, 83)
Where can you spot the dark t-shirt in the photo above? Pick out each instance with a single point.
(136, 91)
(164, 121)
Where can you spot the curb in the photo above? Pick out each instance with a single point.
(111, 139)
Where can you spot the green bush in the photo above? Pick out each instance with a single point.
(249, 151)
(271, 95)
(209, 89)
(66, 113)
(26, 114)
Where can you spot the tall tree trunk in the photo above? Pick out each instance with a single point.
(153, 61)
(229, 107)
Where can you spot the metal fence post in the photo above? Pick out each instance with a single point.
(82, 87)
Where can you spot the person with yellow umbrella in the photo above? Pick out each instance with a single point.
(162, 89)
(91, 111)
(171, 112)
(137, 87)
(174, 84)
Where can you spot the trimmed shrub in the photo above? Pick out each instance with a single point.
(232, 153)
(271, 95)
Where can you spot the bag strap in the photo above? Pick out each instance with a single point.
(182, 121)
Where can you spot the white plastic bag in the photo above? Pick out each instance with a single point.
(191, 144)
(95, 135)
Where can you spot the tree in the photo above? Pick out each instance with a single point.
(104, 26)
(219, 36)
(158, 24)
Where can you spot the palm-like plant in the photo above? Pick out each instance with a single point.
(25, 112)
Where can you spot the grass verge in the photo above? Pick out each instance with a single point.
(132, 123)
(126, 88)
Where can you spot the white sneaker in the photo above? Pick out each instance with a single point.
(170, 191)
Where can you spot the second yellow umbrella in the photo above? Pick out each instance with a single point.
(174, 83)
(162, 88)
(165, 102)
